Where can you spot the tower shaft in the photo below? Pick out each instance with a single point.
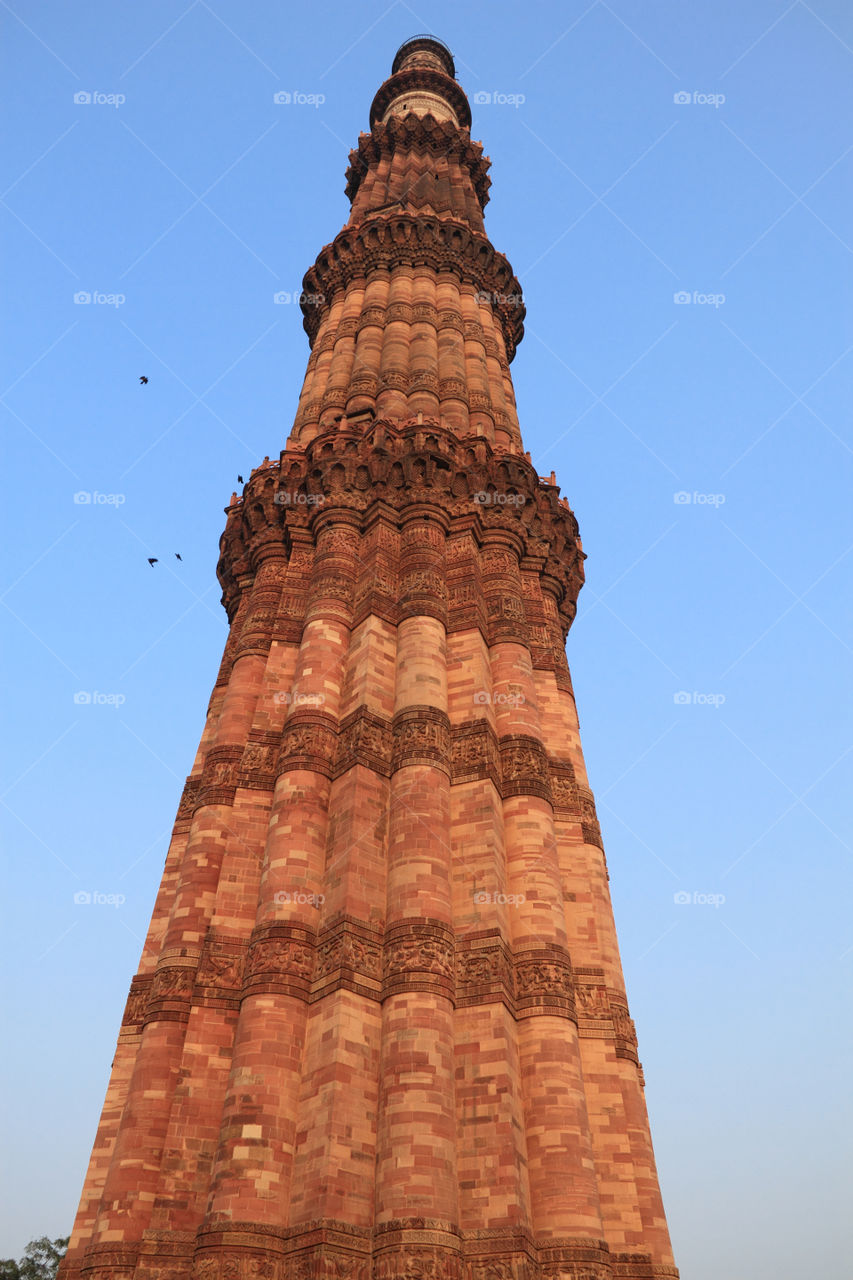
(379, 1028)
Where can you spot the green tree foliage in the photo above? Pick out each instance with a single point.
(40, 1261)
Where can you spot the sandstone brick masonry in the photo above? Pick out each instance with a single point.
(379, 1030)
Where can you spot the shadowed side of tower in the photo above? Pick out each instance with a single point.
(379, 1028)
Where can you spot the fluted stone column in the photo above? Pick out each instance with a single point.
(416, 1152)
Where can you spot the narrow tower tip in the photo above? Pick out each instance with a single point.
(424, 51)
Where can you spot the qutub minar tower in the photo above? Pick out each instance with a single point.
(379, 1028)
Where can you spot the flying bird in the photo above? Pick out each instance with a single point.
(143, 380)
(152, 560)
(239, 479)
(178, 556)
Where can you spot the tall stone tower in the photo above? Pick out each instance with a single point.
(379, 1029)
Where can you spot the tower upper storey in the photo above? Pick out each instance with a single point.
(418, 154)
(411, 310)
(422, 81)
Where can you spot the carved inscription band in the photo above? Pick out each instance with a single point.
(417, 1249)
(412, 955)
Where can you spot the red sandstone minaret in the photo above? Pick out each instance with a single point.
(379, 1029)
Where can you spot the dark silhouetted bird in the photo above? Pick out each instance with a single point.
(178, 556)
(239, 479)
(143, 380)
(152, 560)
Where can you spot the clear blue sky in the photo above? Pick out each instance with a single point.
(196, 198)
